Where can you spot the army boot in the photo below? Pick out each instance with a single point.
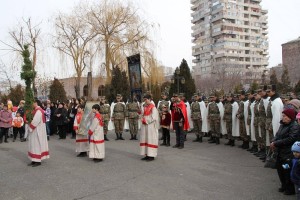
(121, 138)
(232, 143)
(246, 146)
(200, 139)
(228, 143)
(132, 138)
(118, 137)
(105, 138)
(197, 139)
(217, 140)
(213, 140)
(254, 149)
(210, 139)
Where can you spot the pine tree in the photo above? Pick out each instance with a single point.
(57, 91)
(16, 94)
(273, 78)
(254, 86)
(297, 88)
(188, 88)
(238, 88)
(285, 80)
(119, 85)
(28, 75)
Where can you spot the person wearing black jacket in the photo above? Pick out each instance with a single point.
(285, 137)
(61, 116)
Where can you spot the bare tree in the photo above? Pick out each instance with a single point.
(119, 29)
(73, 38)
(25, 34)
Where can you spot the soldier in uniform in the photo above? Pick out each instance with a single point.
(256, 121)
(241, 117)
(214, 118)
(197, 118)
(105, 113)
(118, 116)
(160, 104)
(250, 120)
(132, 114)
(263, 104)
(228, 118)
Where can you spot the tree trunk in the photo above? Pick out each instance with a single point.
(77, 87)
(107, 63)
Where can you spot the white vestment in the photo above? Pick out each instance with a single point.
(37, 137)
(235, 120)
(97, 147)
(246, 104)
(222, 122)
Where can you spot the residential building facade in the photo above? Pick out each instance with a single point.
(291, 59)
(229, 39)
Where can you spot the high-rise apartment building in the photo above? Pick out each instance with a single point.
(230, 39)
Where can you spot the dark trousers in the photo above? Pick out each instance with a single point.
(284, 176)
(62, 131)
(166, 135)
(17, 130)
(3, 132)
(179, 134)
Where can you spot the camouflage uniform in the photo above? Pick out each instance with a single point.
(132, 110)
(119, 118)
(241, 117)
(197, 119)
(214, 119)
(228, 119)
(105, 113)
(269, 117)
(262, 122)
(256, 122)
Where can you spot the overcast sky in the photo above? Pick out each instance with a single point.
(171, 17)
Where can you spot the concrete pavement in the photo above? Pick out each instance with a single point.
(199, 171)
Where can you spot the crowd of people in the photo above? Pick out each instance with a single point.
(267, 125)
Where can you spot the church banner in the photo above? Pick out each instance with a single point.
(135, 76)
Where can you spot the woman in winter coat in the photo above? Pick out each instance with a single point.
(287, 134)
(61, 115)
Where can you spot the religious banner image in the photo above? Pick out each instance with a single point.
(87, 118)
(135, 76)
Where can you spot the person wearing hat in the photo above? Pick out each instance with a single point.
(105, 113)
(214, 118)
(149, 130)
(118, 116)
(274, 110)
(258, 139)
(262, 107)
(295, 168)
(286, 136)
(196, 116)
(250, 121)
(132, 114)
(180, 121)
(61, 115)
(228, 118)
(161, 103)
(241, 113)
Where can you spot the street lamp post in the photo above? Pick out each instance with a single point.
(178, 78)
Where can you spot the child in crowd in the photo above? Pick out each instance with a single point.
(165, 125)
(295, 172)
(17, 124)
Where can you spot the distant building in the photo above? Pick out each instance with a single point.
(230, 38)
(278, 69)
(98, 85)
(291, 59)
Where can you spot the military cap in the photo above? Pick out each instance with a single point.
(181, 94)
(258, 90)
(119, 95)
(229, 95)
(212, 95)
(175, 95)
(164, 94)
(196, 94)
(263, 87)
(242, 92)
(271, 87)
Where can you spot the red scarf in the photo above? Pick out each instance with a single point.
(148, 109)
(42, 111)
(181, 105)
(78, 117)
(98, 116)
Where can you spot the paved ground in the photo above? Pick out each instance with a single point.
(199, 171)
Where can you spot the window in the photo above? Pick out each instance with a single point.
(101, 90)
